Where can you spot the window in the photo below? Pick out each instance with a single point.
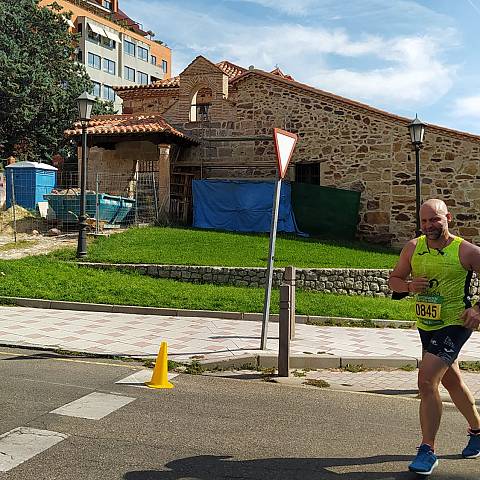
(129, 74)
(93, 37)
(307, 173)
(153, 59)
(94, 61)
(200, 106)
(96, 89)
(142, 53)
(107, 4)
(129, 47)
(202, 112)
(109, 66)
(164, 66)
(108, 42)
(108, 93)
(142, 78)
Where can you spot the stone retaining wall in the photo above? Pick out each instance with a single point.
(346, 281)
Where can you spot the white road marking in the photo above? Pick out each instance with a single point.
(139, 378)
(94, 406)
(22, 443)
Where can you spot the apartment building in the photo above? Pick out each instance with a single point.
(115, 49)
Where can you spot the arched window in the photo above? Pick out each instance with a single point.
(200, 106)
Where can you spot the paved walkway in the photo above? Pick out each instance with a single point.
(207, 338)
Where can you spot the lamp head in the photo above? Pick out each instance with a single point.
(417, 131)
(85, 104)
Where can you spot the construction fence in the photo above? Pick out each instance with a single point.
(29, 204)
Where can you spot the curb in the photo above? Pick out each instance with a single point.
(173, 312)
(259, 360)
(314, 362)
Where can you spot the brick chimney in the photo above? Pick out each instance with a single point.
(115, 6)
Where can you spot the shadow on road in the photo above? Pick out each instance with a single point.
(223, 468)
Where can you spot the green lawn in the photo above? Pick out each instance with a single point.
(201, 247)
(46, 278)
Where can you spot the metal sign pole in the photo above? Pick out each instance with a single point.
(271, 254)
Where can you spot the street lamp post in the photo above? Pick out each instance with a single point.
(417, 132)
(85, 103)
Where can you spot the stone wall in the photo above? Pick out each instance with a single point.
(358, 148)
(118, 163)
(154, 102)
(345, 281)
(116, 167)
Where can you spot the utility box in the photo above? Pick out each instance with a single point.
(31, 181)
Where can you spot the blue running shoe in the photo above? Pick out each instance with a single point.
(472, 450)
(424, 462)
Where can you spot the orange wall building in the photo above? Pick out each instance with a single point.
(115, 49)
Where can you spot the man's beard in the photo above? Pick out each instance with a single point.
(434, 234)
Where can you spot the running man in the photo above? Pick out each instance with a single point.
(437, 267)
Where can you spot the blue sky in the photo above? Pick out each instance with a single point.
(403, 56)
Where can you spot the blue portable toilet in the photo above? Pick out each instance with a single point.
(31, 180)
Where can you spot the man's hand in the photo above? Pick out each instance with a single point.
(418, 285)
(471, 318)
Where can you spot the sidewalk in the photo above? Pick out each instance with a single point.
(209, 339)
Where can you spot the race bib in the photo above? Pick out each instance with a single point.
(429, 307)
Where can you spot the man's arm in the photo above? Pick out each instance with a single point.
(398, 278)
(470, 259)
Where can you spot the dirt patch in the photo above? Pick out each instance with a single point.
(33, 245)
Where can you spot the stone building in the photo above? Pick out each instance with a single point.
(221, 117)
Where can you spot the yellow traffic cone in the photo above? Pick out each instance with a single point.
(160, 372)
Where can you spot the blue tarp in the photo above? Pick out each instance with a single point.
(240, 206)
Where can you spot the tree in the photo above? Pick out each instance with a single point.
(39, 80)
(104, 107)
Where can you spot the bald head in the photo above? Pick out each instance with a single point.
(436, 205)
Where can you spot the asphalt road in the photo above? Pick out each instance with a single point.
(210, 428)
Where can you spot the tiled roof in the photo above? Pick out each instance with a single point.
(346, 101)
(236, 73)
(277, 71)
(127, 124)
(230, 69)
(168, 83)
(122, 16)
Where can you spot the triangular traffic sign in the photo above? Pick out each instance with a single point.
(284, 145)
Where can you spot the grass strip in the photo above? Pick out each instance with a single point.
(177, 246)
(45, 278)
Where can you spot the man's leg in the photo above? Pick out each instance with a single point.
(431, 372)
(464, 401)
(461, 395)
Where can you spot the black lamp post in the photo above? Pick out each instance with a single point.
(417, 131)
(85, 103)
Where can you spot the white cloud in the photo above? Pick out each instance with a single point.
(388, 72)
(413, 73)
(403, 70)
(467, 107)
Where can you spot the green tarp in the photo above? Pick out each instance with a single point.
(325, 211)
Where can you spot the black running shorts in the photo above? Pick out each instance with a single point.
(446, 342)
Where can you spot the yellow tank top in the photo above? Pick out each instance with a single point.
(449, 284)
